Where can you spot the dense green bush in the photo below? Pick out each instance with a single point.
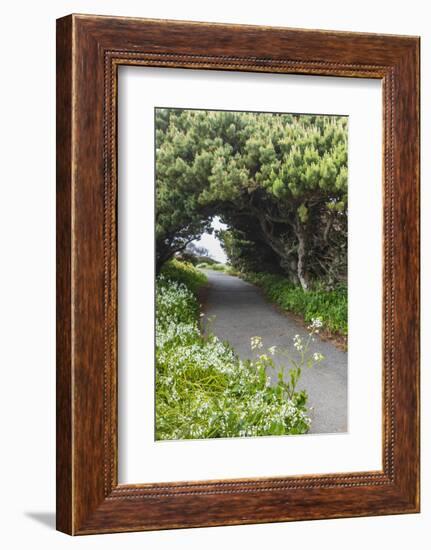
(202, 389)
(184, 272)
(219, 267)
(329, 306)
(216, 267)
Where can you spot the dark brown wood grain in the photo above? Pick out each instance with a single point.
(89, 51)
(64, 287)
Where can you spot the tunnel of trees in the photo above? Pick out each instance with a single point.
(278, 181)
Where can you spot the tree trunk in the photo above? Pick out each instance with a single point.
(285, 252)
(301, 267)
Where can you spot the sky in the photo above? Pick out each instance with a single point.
(211, 243)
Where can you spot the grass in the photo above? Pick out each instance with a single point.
(329, 306)
(203, 390)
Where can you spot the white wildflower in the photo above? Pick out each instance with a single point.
(297, 343)
(256, 342)
(316, 324)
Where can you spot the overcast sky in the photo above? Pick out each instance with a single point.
(212, 244)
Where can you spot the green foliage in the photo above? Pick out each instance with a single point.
(184, 272)
(202, 389)
(244, 254)
(285, 175)
(195, 254)
(220, 267)
(224, 268)
(329, 306)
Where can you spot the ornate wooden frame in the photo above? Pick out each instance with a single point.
(89, 51)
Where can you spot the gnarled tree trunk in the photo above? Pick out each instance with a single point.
(301, 267)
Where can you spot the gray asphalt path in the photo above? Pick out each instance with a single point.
(240, 311)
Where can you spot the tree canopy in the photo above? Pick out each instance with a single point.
(278, 181)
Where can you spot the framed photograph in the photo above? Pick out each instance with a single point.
(237, 274)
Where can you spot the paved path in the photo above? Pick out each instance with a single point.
(241, 312)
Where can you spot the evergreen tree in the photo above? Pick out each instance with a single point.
(279, 181)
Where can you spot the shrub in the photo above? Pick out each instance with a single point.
(219, 267)
(329, 306)
(203, 390)
(186, 273)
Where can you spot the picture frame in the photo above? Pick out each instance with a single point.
(89, 51)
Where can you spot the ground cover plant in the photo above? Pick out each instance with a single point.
(328, 305)
(184, 272)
